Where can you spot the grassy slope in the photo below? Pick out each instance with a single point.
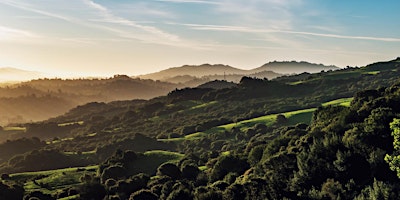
(152, 159)
(52, 181)
(293, 117)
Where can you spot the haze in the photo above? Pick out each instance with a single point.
(102, 38)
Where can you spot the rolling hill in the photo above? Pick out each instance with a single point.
(8, 74)
(294, 67)
(41, 99)
(207, 72)
(325, 134)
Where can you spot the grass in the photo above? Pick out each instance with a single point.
(343, 75)
(293, 118)
(70, 123)
(70, 197)
(58, 141)
(203, 168)
(153, 159)
(342, 102)
(14, 128)
(52, 181)
(203, 105)
(372, 72)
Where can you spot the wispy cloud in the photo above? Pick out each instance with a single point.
(109, 17)
(28, 7)
(192, 1)
(256, 30)
(7, 33)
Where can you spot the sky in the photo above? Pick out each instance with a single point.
(106, 37)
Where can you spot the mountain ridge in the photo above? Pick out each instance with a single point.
(200, 71)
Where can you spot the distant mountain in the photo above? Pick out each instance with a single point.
(193, 70)
(8, 74)
(294, 67)
(206, 72)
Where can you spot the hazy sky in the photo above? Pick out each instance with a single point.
(106, 37)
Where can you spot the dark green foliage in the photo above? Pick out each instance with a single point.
(208, 194)
(38, 195)
(256, 154)
(11, 191)
(92, 191)
(49, 159)
(190, 171)
(113, 172)
(169, 169)
(280, 119)
(226, 164)
(143, 195)
(10, 148)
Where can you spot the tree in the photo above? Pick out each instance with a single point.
(115, 172)
(169, 169)
(226, 164)
(190, 171)
(280, 119)
(11, 192)
(143, 195)
(92, 191)
(5, 176)
(394, 159)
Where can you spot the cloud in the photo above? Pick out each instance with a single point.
(143, 33)
(7, 33)
(191, 1)
(28, 7)
(109, 17)
(256, 30)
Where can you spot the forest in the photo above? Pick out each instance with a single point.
(327, 135)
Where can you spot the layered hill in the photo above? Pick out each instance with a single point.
(294, 67)
(207, 72)
(190, 110)
(327, 135)
(44, 98)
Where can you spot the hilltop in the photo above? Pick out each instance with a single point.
(9, 74)
(188, 74)
(294, 67)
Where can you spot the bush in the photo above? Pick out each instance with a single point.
(143, 195)
(169, 169)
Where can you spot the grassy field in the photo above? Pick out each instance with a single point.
(52, 181)
(22, 129)
(71, 123)
(342, 102)
(293, 117)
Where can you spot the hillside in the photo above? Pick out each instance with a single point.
(207, 72)
(294, 67)
(177, 111)
(45, 98)
(194, 71)
(309, 136)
